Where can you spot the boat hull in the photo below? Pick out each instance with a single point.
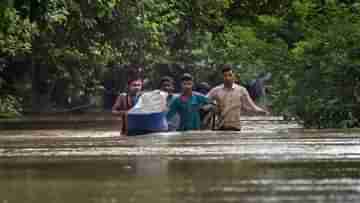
(147, 123)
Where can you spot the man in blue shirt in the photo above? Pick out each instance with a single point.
(187, 105)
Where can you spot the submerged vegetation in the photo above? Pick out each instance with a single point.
(62, 53)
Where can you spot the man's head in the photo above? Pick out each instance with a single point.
(135, 86)
(187, 82)
(167, 84)
(203, 88)
(228, 75)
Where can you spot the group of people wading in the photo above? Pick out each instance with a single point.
(187, 110)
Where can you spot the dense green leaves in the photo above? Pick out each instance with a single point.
(325, 73)
(15, 33)
(9, 106)
(57, 53)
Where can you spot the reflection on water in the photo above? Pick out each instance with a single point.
(265, 163)
(153, 180)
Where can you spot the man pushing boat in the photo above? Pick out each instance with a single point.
(231, 99)
(187, 105)
(146, 116)
(125, 101)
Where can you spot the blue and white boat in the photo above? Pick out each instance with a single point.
(149, 114)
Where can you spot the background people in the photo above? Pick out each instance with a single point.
(203, 88)
(257, 89)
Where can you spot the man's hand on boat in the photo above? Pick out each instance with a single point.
(209, 107)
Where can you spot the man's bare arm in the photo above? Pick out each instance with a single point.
(250, 105)
(115, 109)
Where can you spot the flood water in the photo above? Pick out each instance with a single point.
(267, 162)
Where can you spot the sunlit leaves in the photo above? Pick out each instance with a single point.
(104, 7)
(322, 61)
(9, 106)
(15, 33)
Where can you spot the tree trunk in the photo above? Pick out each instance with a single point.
(35, 80)
(40, 96)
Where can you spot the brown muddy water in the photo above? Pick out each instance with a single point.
(268, 162)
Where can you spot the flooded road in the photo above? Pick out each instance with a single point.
(267, 162)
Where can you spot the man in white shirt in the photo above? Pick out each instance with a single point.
(231, 99)
(167, 85)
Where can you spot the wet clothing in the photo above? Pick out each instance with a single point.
(231, 102)
(124, 102)
(188, 109)
(174, 122)
(134, 99)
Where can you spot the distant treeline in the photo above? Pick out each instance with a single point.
(62, 53)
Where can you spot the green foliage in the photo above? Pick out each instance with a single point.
(15, 33)
(9, 106)
(323, 83)
(68, 47)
